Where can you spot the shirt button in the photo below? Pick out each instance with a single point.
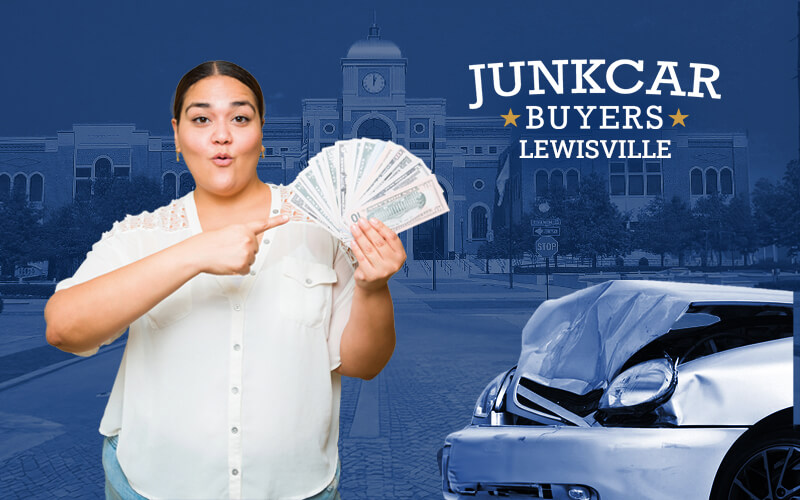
(235, 390)
(252, 273)
(275, 211)
(234, 430)
(266, 241)
(236, 347)
(236, 307)
(235, 472)
(308, 281)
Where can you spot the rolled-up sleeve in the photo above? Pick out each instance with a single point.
(106, 255)
(344, 264)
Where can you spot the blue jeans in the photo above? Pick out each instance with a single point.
(118, 488)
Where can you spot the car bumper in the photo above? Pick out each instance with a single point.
(611, 463)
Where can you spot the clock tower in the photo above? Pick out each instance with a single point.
(374, 89)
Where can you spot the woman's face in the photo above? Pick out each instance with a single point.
(219, 134)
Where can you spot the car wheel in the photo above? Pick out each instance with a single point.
(767, 467)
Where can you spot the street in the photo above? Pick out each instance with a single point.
(450, 343)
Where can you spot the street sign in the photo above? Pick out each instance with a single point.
(547, 231)
(546, 222)
(546, 246)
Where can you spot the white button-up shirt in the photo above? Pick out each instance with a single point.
(226, 388)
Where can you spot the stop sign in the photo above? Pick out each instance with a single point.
(546, 246)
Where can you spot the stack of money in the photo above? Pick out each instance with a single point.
(368, 178)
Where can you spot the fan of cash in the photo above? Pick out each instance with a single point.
(368, 178)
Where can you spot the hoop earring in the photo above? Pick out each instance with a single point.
(177, 156)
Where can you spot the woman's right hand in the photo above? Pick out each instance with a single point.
(231, 249)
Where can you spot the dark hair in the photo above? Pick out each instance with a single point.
(211, 68)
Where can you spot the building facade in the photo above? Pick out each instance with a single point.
(465, 153)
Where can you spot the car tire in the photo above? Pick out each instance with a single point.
(765, 465)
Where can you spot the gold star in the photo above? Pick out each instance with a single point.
(510, 118)
(678, 118)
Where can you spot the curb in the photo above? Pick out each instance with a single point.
(51, 368)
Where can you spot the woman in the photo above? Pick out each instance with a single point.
(243, 315)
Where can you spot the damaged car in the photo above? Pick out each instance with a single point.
(639, 390)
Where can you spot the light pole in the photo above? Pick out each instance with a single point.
(461, 223)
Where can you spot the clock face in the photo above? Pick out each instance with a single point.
(373, 82)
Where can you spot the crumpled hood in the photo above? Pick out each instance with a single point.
(579, 342)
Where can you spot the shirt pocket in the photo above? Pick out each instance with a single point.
(173, 308)
(305, 294)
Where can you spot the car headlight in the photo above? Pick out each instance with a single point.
(641, 388)
(487, 399)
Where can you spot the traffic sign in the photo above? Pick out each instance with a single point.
(546, 222)
(546, 246)
(547, 231)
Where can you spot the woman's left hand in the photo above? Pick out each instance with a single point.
(379, 252)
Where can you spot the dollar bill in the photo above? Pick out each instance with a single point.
(407, 207)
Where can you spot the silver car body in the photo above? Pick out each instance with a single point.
(578, 344)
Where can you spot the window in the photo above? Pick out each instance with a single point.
(419, 145)
(480, 223)
(102, 167)
(269, 151)
(726, 181)
(122, 172)
(329, 128)
(169, 183)
(617, 177)
(492, 150)
(711, 181)
(696, 180)
(541, 183)
(634, 177)
(556, 179)
(187, 183)
(465, 150)
(375, 128)
(37, 188)
(284, 150)
(419, 128)
(653, 178)
(478, 150)
(572, 182)
(5, 187)
(20, 187)
(478, 184)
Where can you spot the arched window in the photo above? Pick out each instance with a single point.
(102, 167)
(697, 181)
(541, 183)
(572, 182)
(711, 181)
(480, 223)
(168, 184)
(726, 181)
(187, 183)
(556, 179)
(20, 188)
(5, 187)
(375, 128)
(36, 192)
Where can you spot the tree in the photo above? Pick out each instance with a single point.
(591, 225)
(664, 227)
(777, 209)
(21, 241)
(70, 231)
